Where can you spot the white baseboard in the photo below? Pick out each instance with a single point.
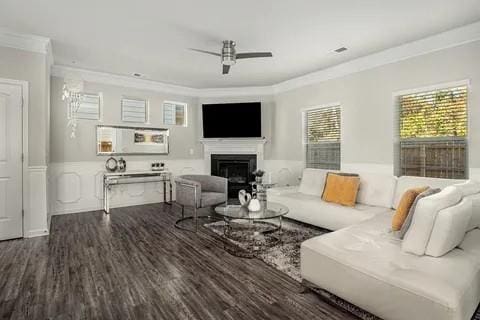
(36, 233)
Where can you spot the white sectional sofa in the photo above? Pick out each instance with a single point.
(362, 261)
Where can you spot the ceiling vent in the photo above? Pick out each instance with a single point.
(339, 50)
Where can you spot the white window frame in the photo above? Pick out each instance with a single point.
(185, 108)
(304, 128)
(434, 87)
(147, 109)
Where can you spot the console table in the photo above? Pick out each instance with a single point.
(128, 177)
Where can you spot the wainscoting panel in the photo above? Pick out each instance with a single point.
(78, 186)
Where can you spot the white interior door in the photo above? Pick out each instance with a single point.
(11, 217)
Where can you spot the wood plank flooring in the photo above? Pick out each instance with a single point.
(133, 264)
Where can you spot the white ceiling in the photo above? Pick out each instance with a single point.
(152, 37)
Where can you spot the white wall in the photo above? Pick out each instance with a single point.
(368, 107)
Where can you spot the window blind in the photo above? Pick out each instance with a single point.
(89, 108)
(322, 138)
(134, 110)
(175, 113)
(433, 133)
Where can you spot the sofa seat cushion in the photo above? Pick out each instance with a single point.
(313, 210)
(212, 198)
(364, 264)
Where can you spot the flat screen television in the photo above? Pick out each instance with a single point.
(232, 120)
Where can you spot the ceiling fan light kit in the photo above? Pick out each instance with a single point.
(229, 55)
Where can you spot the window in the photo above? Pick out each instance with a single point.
(433, 134)
(175, 113)
(88, 107)
(322, 137)
(134, 110)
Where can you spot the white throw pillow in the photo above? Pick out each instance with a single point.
(417, 237)
(449, 228)
(376, 189)
(313, 181)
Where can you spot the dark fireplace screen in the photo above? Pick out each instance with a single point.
(237, 169)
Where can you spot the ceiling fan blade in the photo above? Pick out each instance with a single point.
(226, 69)
(207, 52)
(248, 55)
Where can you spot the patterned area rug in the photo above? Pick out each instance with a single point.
(283, 255)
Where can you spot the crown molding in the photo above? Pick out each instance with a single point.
(452, 38)
(441, 41)
(142, 84)
(27, 42)
(122, 81)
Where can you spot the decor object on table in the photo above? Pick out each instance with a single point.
(258, 175)
(111, 164)
(158, 166)
(254, 205)
(122, 165)
(199, 191)
(244, 197)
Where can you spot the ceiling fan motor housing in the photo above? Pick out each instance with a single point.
(228, 53)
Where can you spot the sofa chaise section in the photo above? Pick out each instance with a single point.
(364, 264)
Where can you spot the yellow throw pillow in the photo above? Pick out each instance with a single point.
(341, 188)
(408, 198)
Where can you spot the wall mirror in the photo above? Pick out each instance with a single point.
(118, 140)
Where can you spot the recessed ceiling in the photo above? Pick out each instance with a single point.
(152, 37)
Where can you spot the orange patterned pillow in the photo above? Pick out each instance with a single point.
(404, 206)
(341, 188)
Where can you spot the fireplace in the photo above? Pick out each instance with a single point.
(237, 168)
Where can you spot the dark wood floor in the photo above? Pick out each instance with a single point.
(134, 264)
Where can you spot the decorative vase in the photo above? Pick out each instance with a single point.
(122, 165)
(244, 197)
(258, 179)
(254, 205)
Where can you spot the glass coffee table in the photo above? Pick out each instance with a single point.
(251, 228)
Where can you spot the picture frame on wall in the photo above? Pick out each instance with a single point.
(134, 110)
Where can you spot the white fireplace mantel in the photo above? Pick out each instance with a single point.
(232, 146)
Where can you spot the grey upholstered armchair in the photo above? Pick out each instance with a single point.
(199, 191)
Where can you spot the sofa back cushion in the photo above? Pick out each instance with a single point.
(407, 182)
(449, 228)
(313, 181)
(417, 237)
(376, 189)
(341, 188)
(475, 218)
(468, 187)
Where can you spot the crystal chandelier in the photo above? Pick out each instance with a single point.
(72, 94)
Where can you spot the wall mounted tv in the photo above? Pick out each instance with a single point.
(232, 120)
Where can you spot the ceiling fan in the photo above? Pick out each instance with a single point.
(229, 55)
